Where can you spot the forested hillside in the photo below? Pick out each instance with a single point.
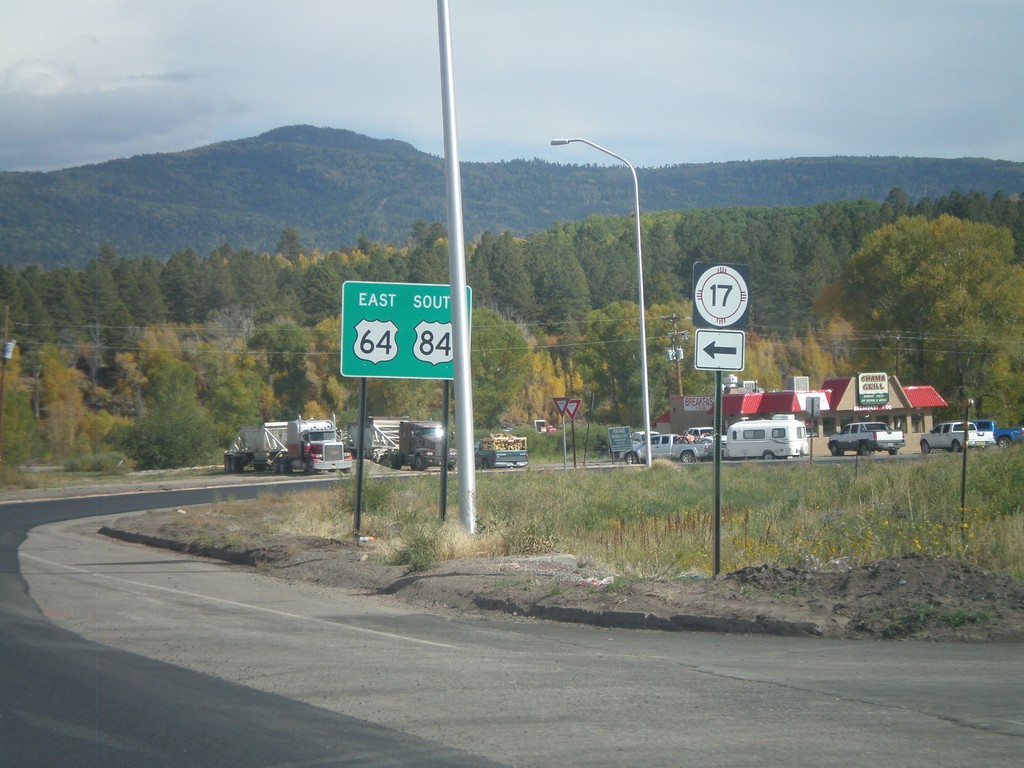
(335, 186)
(124, 356)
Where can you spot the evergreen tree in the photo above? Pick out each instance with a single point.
(181, 285)
(290, 245)
(506, 286)
(138, 282)
(217, 281)
(559, 282)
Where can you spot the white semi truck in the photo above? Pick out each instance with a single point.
(306, 445)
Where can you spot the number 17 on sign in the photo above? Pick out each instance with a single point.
(720, 295)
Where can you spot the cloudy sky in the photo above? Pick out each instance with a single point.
(657, 81)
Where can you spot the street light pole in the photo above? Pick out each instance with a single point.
(640, 285)
(457, 277)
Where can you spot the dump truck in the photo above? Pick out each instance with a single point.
(501, 451)
(420, 445)
(307, 445)
(257, 446)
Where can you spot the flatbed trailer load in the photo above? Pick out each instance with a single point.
(508, 451)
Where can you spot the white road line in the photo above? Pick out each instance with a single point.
(236, 604)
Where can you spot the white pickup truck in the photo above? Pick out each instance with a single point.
(949, 436)
(866, 437)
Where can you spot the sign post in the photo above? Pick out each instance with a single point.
(568, 406)
(561, 403)
(571, 409)
(721, 301)
(618, 441)
(814, 411)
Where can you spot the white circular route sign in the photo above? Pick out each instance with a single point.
(720, 295)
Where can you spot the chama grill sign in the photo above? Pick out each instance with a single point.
(872, 389)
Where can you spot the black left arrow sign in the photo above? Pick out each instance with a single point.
(713, 349)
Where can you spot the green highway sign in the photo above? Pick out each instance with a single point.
(397, 330)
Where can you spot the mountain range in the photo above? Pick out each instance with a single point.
(334, 187)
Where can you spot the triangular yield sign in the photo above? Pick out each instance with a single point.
(572, 408)
(561, 403)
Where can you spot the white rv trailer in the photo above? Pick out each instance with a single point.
(780, 437)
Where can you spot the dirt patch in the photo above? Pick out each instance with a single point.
(914, 597)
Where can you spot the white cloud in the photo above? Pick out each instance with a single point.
(660, 81)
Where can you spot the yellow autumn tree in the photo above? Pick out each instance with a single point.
(762, 363)
(19, 426)
(62, 404)
(543, 385)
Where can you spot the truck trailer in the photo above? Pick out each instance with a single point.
(257, 446)
(380, 437)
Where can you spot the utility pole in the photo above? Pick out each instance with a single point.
(898, 340)
(677, 351)
(8, 352)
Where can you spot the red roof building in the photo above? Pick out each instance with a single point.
(866, 397)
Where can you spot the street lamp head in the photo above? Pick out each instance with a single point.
(559, 142)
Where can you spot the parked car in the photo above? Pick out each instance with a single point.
(866, 437)
(949, 436)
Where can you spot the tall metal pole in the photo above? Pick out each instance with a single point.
(446, 405)
(968, 402)
(640, 285)
(360, 458)
(716, 553)
(457, 276)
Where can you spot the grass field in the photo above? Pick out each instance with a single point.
(658, 521)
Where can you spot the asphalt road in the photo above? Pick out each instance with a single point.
(68, 701)
(123, 655)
